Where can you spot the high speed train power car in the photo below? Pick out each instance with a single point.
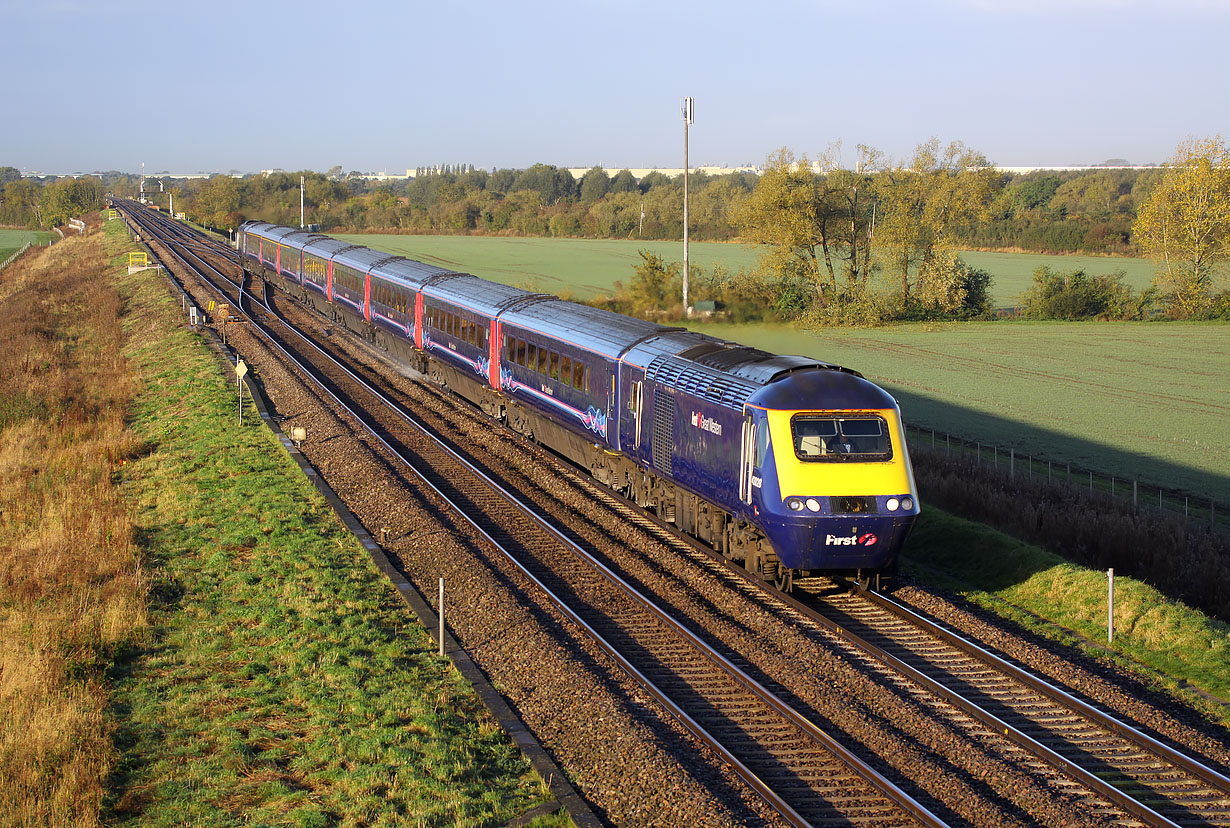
(784, 464)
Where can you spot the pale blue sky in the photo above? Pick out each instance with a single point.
(187, 86)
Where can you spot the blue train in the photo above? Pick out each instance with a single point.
(784, 464)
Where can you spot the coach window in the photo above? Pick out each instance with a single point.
(522, 351)
(578, 375)
(554, 365)
(565, 370)
(544, 359)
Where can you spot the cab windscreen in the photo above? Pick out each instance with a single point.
(825, 438)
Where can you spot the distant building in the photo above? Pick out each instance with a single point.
(669, 172)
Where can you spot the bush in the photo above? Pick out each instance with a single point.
(1076, 295)
(1054, 237)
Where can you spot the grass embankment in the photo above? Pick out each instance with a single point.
(72, 585)
(1039, 590)
(243, 661)
(284, 681)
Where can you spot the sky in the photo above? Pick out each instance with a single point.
(386, 86)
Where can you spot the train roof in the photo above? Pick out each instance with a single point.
(823, 389)
(265, 230)
(362, 259)
(487, 298)
(408, 271)
(594, 329)
(723, 372)
(326, 246)
(300, 238)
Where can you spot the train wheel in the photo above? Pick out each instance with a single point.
(785, 578)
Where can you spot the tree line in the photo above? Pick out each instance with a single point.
(877, 242)
(30, 203)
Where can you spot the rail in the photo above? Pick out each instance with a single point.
(776, 800)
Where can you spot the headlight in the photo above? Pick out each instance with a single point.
(892, 503)
(813, 504)
(907, 503)
(794, 504)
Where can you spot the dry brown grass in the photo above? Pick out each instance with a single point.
(71, 586)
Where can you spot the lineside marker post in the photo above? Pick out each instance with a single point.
(441, 616)
(241, 369)
(1110, 606)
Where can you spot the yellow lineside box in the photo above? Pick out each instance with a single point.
(138, 259)
(112, 214)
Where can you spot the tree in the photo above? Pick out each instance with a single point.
(70, 198)
(594, 185)
(812, 227)
(920, 207)
(9, 175)
(1185, 225)
(655, 284)
(623, 182)
(552, 183)
(217, 204)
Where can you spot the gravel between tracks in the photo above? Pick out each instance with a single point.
(636, 767)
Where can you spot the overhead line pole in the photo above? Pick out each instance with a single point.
(687, 113)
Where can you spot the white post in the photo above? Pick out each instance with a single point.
(441, 604)
(300, 202)
(1110, 606)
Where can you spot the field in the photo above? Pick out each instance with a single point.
(1141, 400)
(13, 240)
(590, 267)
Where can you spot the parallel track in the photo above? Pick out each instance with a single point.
(1114, 767)
(801, 772)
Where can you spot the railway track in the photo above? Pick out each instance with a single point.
(770, 737)
(801, 772)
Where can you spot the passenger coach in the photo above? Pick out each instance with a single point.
(785, 464)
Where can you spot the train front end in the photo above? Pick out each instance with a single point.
(836, 489)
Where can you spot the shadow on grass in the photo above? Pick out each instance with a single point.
(1063, 448)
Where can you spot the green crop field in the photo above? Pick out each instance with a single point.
(584, 268)
(1142, 400)
(13, 240)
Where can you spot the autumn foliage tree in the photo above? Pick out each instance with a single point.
(920, 205)
(1185, 225)
(811, 226)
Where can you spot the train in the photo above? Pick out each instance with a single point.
(786, 465)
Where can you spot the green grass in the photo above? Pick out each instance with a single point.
(1039, 590)
(16, 238)
(585, 268)
(13, 240)
(1139, 400)
(1013, 272)
(284, 682)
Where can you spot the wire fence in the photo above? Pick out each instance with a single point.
(1142, 495)
(15, 256)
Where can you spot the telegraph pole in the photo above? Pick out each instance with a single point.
(686, 111)
(300, 202)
